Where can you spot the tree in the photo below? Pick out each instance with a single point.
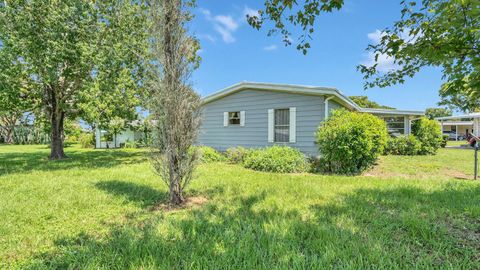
(298, 13)
(69, 47)
(364, 102)
(438, 33)
(464, 99)
(12, 94)
(175, 106)
(432, 113)
(145, 126)
(115, 126)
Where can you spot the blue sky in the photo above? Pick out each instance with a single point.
(232, 51)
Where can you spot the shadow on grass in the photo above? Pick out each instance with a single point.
(144, 195)
(370, 228)
(32, 161)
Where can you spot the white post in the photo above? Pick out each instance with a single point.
(98, 138)
(406, 125)
(476, 126)
(409, 126)
(456, 132)
(327, 111)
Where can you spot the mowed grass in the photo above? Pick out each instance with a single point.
(96, 210)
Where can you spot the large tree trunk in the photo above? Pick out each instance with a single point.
(8, 124)
(57, 117)
(176, 192)
(9, 135)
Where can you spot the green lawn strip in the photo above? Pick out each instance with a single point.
(79, 214)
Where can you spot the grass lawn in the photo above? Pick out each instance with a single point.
(96, 210)
(457, 143)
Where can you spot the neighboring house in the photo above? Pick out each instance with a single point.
(128, 135)
(461, 125)
(261, 114)
(122, 137)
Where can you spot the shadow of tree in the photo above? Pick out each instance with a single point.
(32, 161)
(144, 195)
(368, 229)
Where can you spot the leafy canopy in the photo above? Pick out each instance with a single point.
(437, 33)
(364, 102)
(76, 57)
(430, 33)
(300, 14)
(432, 113)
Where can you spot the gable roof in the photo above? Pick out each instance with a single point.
(302, 89)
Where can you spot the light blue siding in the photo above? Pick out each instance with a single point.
(309, 114)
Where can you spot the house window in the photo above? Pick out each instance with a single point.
(282, 125)
(234, 118)
(395, 124)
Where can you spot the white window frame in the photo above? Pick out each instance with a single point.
(227, 118)
(292, 129)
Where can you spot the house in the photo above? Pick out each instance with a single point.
(461, 125)
(103, 139)
(253, 115)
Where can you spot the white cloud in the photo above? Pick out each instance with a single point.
(250, 12)
(384, 62)
(207, 37)
(226, 25)
(376, 36)
(205, 12)
(227, 36)
(270, 47)
(226, 22)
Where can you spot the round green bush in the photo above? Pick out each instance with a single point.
(350, 142)
(280, 159)
(403, 146)
(87, 140)
(236, 155)
(208, 154)
(429, 133)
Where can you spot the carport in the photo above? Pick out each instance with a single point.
(463, 124)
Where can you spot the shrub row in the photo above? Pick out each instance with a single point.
(425, 139)
(280, 159)
(208, 154)
(349, 143)
(403, 145)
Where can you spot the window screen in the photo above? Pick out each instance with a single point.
(282, 125)
(234, 118)
(395, 124)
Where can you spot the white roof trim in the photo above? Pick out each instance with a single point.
(302, 89)
(458, 123)
(392, 111)
(468, 115)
